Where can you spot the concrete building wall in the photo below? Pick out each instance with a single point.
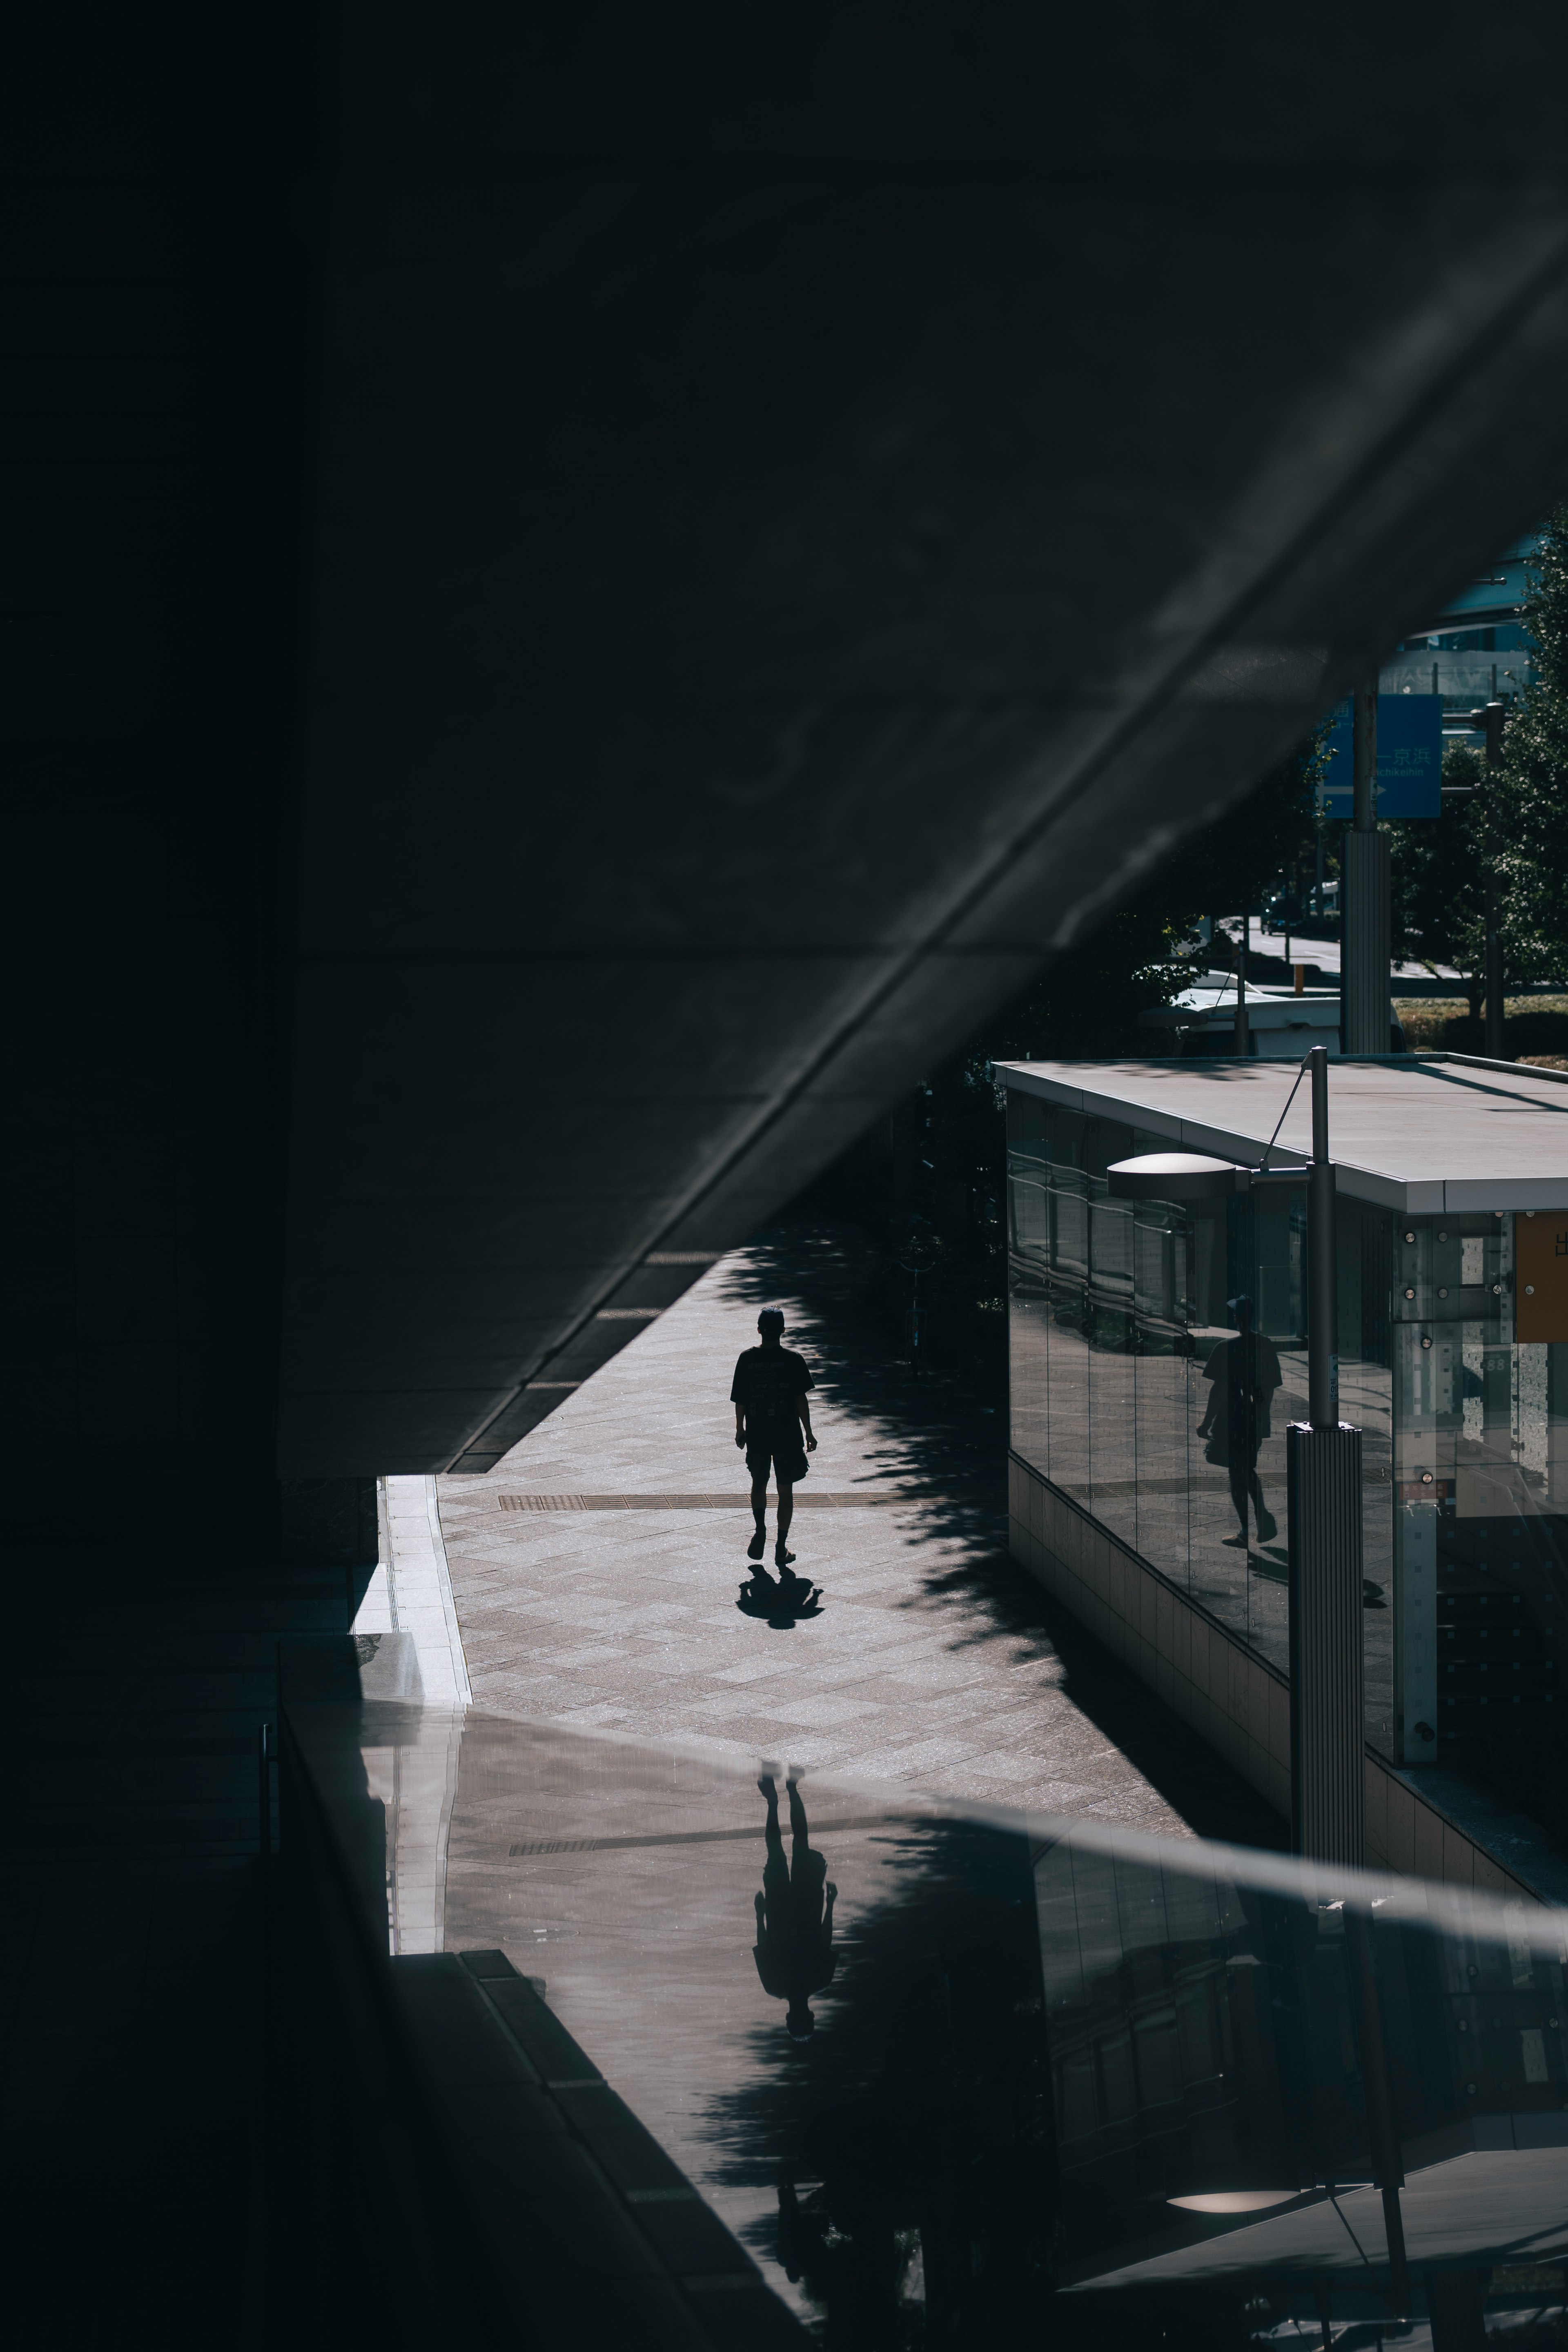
(1212, 1682)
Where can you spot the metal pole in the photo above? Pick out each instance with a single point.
(1243, 1041)
(1365, 919)
(1322, 1272)
(1381, 2128)
(1364, 756)
(1328, 1797)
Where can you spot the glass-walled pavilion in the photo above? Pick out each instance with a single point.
(1158, 1352)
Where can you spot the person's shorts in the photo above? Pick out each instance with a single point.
(785, 1463)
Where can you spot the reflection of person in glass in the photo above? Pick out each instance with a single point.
(794, 1951)
(1243, 1374)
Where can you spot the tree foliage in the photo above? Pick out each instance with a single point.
(1511, 836)
(1439, 877)
(1083, 1006)
(1533, 790)
(1086, 1005)
(1232, 866)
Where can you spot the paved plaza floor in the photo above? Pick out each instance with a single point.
(588, 1594)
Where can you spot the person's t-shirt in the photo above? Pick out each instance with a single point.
(766, 1383)
(793, 1971)
(794, 1951)
(1246, 1372)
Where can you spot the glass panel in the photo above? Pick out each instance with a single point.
(1071, 1318)
(1221, 1419)
(1365, 1239)
(1028, 1328)
(1162, 1248)
(1041, 2082)
(1279, 1240)
(1114, 1465)
(1176, 1356)
(1028, 1283)
(1174, 1344)
(1481, 1529)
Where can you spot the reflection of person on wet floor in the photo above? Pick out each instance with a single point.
(771, 1414)
(1244, 1373)
(794, 1951)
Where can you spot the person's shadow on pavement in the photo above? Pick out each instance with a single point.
(782, 1603)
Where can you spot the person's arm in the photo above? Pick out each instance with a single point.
(803, 1409)
(740, 1422)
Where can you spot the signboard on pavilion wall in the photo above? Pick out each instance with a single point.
(1409, 759)
(1541, 1276)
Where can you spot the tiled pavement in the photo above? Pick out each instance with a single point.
(934, 1661)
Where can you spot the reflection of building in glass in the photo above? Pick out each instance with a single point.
(1124, 1317)
(1476, 646)
(1210, 2061)
(1071, 2087)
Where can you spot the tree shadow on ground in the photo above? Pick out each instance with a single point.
(947, 1445)
(945, 1441)
(915, 2122)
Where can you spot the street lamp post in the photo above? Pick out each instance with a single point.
(1364, 908)
(1491, 716)
(1322, 1455)
(1328, 1801)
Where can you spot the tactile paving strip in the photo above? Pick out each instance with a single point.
(743, 1502)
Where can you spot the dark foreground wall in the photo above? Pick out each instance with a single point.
(163, 240)
(595, 584)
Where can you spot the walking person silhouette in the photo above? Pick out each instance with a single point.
(1245, 1372)
(772, 1411)
(794, 1951)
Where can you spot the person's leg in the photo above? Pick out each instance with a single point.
(1265, 1525)
(771, 1828)
(799, 1832)
(782, 1555)
(759, 1470)
(1237, 1474)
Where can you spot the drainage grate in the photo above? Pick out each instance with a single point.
(851, 1502)
(711, 1837)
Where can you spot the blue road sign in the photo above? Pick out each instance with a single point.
(1409, 759)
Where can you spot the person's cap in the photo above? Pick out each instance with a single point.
(771, 1319)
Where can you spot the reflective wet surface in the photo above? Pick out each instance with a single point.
(957, 2077)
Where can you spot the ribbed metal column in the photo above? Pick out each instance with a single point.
(1364, 962)
(1327, 1766)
